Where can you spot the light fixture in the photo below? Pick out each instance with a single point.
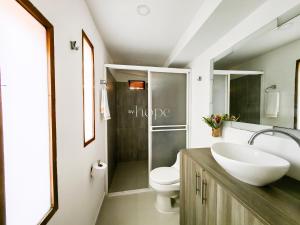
(143, 10)
(136, 85)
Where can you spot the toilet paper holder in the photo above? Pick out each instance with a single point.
(99, 163)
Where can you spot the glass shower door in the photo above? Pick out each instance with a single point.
(168, 123)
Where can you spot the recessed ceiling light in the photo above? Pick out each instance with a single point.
(143, 10)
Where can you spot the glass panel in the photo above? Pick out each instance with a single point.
(220, 94)
(165, 146)
(168, 98)
(23, 63)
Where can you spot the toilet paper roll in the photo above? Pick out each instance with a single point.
(98, 168)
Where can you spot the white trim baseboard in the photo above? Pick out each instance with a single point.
(99, 207)
(130, 192)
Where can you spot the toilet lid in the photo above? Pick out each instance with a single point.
(165, 175)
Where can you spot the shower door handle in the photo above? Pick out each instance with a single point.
(168, 128)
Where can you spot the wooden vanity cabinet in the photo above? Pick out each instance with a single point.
(203, 201)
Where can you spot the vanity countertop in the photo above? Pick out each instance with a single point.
(276, 203)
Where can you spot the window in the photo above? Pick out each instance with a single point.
(88, 90)
(28, 115)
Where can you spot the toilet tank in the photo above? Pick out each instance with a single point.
(177, 163)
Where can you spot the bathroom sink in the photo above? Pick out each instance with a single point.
(249, 164)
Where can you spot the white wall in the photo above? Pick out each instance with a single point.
(79, 196)
(279, 68)
(202, 66)
(200, 102)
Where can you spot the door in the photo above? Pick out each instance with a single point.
(168, 123)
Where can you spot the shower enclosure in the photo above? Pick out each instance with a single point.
(148, 127)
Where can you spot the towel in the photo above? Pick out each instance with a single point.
(272, 99)
(104, 108)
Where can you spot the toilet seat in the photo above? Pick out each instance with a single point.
(165, 175)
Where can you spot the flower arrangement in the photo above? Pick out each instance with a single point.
(227, 117)
(215, 121)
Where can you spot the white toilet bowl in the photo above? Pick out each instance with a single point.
(166, 183)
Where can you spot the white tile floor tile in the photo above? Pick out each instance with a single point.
(135, 209)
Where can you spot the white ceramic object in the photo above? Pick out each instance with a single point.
(249, 164)
(166, 183)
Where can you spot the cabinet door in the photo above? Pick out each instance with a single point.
(187, 192)
(200, 197)
(231, 212)
(210, 199)
(191, 207)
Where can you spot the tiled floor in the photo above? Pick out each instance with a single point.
(135, 209)
(130, 176)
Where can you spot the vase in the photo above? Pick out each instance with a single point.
(217, 132)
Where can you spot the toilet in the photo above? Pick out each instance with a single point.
(166, 183)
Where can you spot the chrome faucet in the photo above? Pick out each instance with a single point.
(252, 138)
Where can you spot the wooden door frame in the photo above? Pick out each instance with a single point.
(2, 172)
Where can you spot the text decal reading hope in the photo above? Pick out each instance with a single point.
(157, 113)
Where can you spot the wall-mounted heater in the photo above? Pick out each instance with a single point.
(136, 85)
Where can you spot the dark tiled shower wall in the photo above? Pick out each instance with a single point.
(112, 126)
(245, 98)
(132, 123)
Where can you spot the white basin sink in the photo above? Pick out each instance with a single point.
(249, 164)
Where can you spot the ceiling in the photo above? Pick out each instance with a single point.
(287, 31)
(142, 40)
(150, 40)
(226, 16)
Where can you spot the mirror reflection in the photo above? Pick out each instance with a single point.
(258, 80)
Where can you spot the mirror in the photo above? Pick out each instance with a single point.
(259, 80)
